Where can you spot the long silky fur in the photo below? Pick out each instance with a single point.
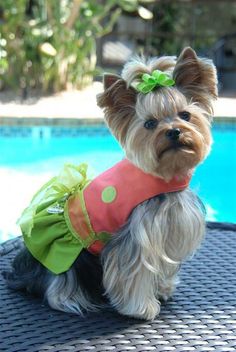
(139, 266)
(77, 290)
(142, 261)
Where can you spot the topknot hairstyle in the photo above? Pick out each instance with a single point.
(137, 66)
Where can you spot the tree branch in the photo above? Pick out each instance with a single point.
(73, 14)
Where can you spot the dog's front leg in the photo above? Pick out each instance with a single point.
(130, 274)
(142, 261)
(129, 284)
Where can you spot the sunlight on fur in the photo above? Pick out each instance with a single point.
(144, 258)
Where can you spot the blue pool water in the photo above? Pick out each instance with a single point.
(38, 150)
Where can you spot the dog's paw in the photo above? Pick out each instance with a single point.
(166, 291)
(147, 312)
(166, 294)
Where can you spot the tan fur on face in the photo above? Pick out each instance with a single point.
(148, 149)
(196, 140)
(126, 111)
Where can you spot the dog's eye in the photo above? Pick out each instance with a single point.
(151, 124)
(184, 115)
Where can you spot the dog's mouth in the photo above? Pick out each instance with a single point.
(177, 147)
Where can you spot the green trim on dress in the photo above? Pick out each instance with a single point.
(45, 224)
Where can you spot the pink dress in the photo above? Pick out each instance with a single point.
(109, 199)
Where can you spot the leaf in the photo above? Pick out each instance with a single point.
(47, 49)
(129, 5)
(145, 13)
(3, 64)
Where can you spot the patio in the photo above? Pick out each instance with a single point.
(78, 105)
(200, 317)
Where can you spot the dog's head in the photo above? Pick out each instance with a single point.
(165, 132)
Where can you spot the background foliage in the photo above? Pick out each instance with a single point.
(197, 23)
(49, 44)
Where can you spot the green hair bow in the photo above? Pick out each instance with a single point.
(156, 79)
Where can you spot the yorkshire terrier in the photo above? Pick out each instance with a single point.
(120, 239)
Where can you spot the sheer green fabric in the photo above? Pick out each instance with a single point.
(45, 224)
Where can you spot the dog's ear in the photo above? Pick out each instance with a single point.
(118, 102)
(109, 79)
(116, 93)
(196, 77)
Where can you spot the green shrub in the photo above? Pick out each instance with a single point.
(52, 44)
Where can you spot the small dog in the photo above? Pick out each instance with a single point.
(160, 112)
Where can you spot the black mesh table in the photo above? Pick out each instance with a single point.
(200, 317)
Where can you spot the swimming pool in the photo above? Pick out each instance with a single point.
(31, 155)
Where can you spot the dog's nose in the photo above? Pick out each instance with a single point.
(173, 134)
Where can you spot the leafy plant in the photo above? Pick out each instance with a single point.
(52, 44)
(197, 23)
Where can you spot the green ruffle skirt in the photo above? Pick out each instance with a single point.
(46, 226)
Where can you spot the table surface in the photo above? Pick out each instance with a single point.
(201, 316)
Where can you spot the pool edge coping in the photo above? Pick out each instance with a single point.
(73, 122)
